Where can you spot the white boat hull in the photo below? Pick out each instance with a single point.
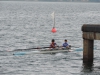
(53, 51)
(44, 51)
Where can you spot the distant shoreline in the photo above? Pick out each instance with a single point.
(51, 1)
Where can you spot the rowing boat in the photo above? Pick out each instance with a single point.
(45, 51)
(52, 51)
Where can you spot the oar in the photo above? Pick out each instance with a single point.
(74, 46)
(81, 49)
(25, 53)
(30, 48)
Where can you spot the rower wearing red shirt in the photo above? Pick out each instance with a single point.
(53, 44)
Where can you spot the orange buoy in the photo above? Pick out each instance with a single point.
(53, 30)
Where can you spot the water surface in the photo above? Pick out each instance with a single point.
(26, 24)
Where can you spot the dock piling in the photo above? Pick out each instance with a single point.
(91, 32)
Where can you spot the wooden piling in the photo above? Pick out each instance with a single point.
(91, 32)
(88, 50)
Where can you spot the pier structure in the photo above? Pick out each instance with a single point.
(91, 32)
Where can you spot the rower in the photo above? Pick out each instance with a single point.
(65, 44)
(53, 44)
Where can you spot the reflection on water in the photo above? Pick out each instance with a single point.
(90, 69)
(87, 67)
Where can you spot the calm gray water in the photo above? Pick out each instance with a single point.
(26, 24)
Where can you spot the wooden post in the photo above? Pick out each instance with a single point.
(91, 32)
(88, 51)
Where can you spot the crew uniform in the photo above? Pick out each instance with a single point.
(53, 44)
(65, 44)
